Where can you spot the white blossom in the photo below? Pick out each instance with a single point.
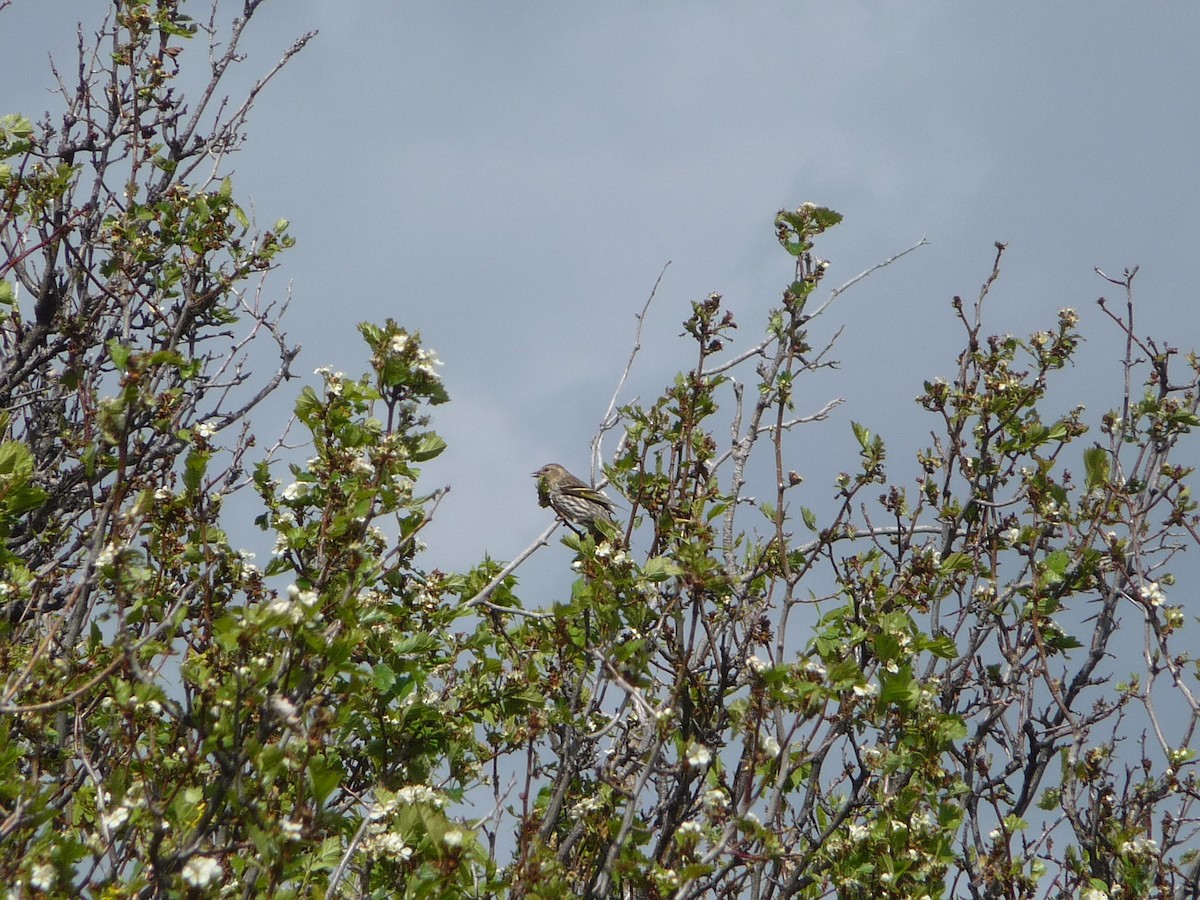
(115, 818)
(304, 598)
(584, 807)
(283, 606)
(42, 876)
(388, 844)
(200, 871)
(755, 664)
(291, 829)
(1153, 594)
(297, 490)
(426, 360)
(419, 793)
(284, 708)
(1139, 846)
(715, 798)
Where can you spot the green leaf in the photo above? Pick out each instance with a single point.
(862, 434)
(844, 674)
(1055, 566)
(826, 217)
(942, 647)
(428, 447)
(659, 568)
(957, 562)
(227, 632)
(15, 124)
(800, 288)
(194, 466)
(270, 763)
(715, 511)
(1051, 800)
(119, 354)
(19, 495)
(8, 294)
(900, 689)
(22, 499)
(384, 677)
(1096, 466)
(809, 517)
(417, 644)
(952, 728)
(15, 459)
(308, 406)
(324, 778)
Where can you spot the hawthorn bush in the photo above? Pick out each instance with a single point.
(970, 679)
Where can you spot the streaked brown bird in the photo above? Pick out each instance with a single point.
(573, 499)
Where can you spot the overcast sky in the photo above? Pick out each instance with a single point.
(510, 179)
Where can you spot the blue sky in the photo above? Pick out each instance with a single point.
(510, 179)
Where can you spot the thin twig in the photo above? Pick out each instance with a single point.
(340, 872)
(610, 420)
(833, 295)
(542, 541)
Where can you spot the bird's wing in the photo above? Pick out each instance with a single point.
(583, 492)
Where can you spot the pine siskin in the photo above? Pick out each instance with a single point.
(574, 500)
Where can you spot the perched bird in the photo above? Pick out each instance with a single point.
(574, 500)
